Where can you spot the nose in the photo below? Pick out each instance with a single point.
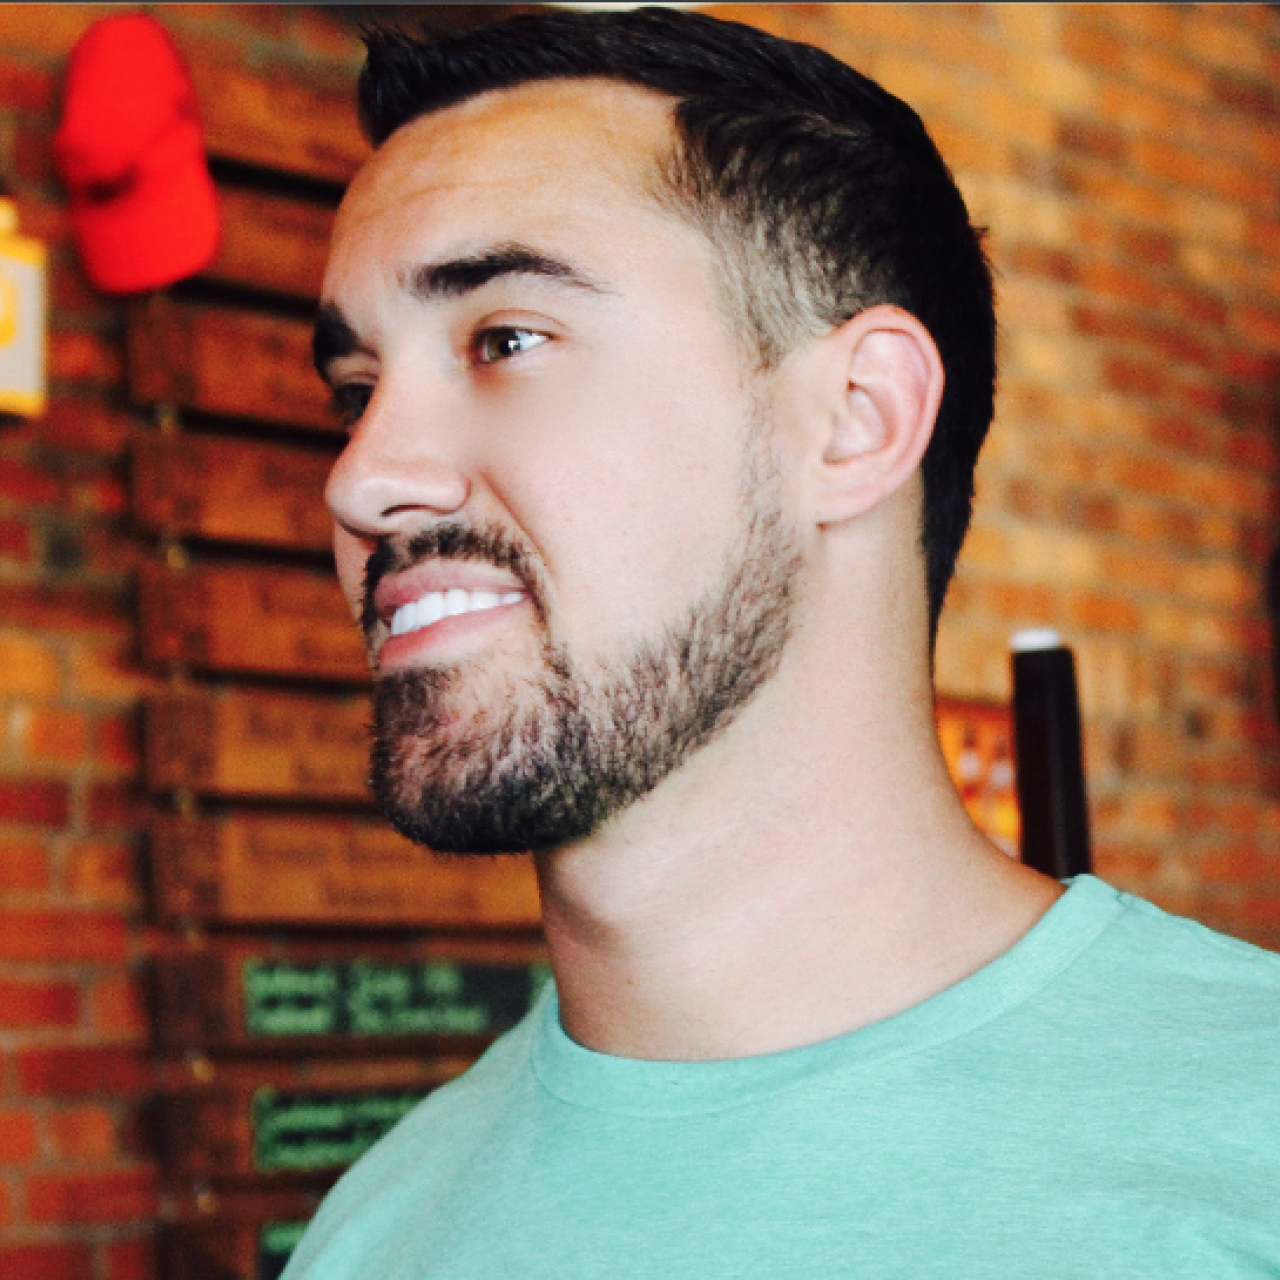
(395, 471)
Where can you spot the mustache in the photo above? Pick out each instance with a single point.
(453, 540)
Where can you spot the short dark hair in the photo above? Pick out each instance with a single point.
(822, 193)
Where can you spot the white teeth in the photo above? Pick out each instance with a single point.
(447, 604)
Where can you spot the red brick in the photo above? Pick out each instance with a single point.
(18, 1138)
(106, 1071)
(102, 871)
(46, 220)
(84, 357)
(118, 1008)
(116, 741)
(1260, 325)
(63, 936)
(24, 867)
(1092, 137)
(107, 673)
(1247, 95)
(84, 1134)
(1136, 377)
(132, 1259)
(125, 1196)
(320, 33)
(28, 666)
(31, 155)
(38, 1004)
(16, 542)
(49, 29)
(117, 804)
(24, 87)
(45, 1262)
(50, 607)
(102, 495)
(23, 483)
(57, 735)
(85, 426)
(34, 800)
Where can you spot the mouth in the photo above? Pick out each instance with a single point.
(434, 606)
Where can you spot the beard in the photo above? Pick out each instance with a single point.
(551, 757)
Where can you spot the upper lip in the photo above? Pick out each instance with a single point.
(400, 589)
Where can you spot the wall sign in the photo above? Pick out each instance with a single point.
(22, 319)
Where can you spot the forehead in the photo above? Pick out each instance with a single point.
(547, 150)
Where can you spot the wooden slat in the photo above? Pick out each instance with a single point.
(226, 362)
(279, 622)
(236, 995)
(258, 744)
(278, 122)
(253, 870)
(227, 490)
(236, 1130)
(272, 242)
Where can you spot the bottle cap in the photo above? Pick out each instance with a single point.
(1033, 639)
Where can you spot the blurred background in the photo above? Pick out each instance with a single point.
(1126, 159)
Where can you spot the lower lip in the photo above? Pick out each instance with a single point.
(414, 646)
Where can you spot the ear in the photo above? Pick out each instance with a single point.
(880, 386)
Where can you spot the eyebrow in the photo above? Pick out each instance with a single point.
(334, 337)
(456, 277)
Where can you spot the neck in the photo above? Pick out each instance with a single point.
(809, 872)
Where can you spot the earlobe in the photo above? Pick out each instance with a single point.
(885, 387)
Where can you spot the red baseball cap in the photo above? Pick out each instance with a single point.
(131, 152)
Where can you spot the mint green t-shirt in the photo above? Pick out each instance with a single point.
(1102, 1101)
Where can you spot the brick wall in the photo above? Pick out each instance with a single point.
(78, 1185)
(1127, 159)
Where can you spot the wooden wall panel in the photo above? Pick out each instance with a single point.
(348, 996)
(289, 623)
(234, 491)
(278, 122)
(238, 1130)
(258, 744)
(228, 363)
(272, 242)
(292, 870)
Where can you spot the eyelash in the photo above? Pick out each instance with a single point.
(349, 400)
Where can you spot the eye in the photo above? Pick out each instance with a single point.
(350, 400)
(503, 342)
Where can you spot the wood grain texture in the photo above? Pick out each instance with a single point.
(257, 870)
(278, 122)
(226, 362)
(261, 621)
(229, 490)
(258, 744)
(271, 242)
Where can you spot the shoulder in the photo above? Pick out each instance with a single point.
(1185, 957)
(386, 1187)
(1173, 990)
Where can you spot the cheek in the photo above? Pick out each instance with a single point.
(350, 556)
(629, 530)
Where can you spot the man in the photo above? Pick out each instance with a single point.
(667, 350)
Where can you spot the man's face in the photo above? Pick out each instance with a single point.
(553, 432)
